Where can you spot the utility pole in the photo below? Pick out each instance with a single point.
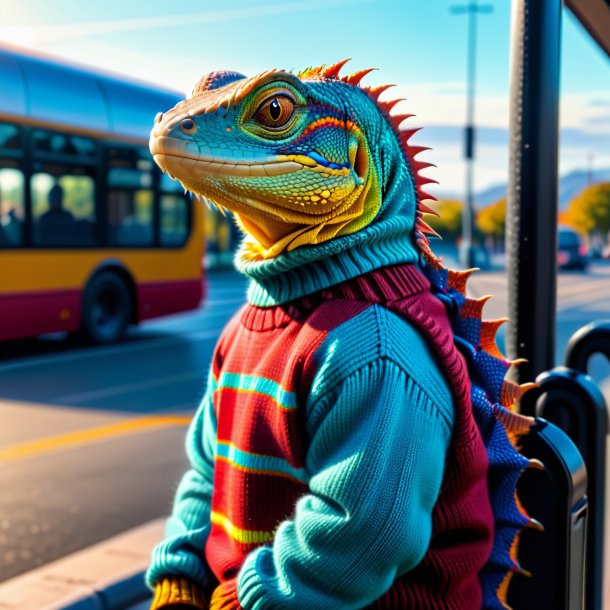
(472, 9)
(590, 158)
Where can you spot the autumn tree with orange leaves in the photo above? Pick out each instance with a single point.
(589, 212)
(448, 224)
(491, 221)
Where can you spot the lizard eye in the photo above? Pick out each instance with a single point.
(188, 126)
(275, 111)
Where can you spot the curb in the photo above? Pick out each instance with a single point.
(106, 576)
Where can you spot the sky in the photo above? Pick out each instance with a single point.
(419, 46)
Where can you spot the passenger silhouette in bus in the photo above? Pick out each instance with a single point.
(10, 228)
(57, 227)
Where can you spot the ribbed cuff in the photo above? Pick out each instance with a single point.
(225, 596)
(174, 590)
(251, 581)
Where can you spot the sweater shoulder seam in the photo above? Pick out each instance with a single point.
(432, 403)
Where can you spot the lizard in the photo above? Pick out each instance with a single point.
(325, 182)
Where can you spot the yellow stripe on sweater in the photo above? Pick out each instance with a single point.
(241, 535)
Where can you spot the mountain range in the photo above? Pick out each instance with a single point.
(570, 185)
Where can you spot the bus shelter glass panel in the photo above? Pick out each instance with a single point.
(12, 206)
(63, 209)
(130, 197)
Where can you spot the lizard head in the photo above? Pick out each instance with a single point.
(299, 159)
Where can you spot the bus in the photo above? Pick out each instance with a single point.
(93, 237)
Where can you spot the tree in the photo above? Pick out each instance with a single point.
(589, 212)
(449, 222)
(491, 221)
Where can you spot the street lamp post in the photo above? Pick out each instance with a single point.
(472, 9)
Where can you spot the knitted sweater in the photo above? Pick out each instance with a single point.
(317, 459)
(331, 465)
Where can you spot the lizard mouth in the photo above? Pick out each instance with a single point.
(177, 165)
(180, 163)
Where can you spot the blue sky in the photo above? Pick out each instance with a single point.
(418, 45)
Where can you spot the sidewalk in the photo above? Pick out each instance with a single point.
(106, 576)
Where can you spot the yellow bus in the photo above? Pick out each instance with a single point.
(93, 236)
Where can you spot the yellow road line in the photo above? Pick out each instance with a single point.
(82, 437)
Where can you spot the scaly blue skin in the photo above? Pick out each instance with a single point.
(319, 174)
(336, 171)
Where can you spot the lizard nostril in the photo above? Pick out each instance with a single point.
(188, 126)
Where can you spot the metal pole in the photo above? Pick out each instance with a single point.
(531, 238)
(473, 9)
(468, 215)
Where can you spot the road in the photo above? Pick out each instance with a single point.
(581, 298)
(91, 442)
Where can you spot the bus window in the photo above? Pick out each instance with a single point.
(130, 217)
(63, 209)
(63, 189)
(174, 220)
(11, 204)
(130, 197)
(12, 184)
(9, 137)
(57, 143)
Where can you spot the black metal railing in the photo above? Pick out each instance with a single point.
(570, 398)
(553, 491)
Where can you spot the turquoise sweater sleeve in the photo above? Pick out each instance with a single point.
(380, 421)
(188, 526)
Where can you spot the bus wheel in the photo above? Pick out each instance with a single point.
(106, 308)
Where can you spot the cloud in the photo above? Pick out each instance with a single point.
(599, 103)
(498, 137)
(45, 34)
(603, 119)
(445, 104)
(491, 162)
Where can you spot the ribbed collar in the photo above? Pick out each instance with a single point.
(310, 269)
(385, 285)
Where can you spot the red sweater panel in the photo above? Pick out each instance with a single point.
(264, 418)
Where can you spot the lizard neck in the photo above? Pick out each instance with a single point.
(387, 240)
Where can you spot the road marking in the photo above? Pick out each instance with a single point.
(572, 291)
(101, 352)
(72, 399)
(13, 453)
(583, 303)
(581, 288)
